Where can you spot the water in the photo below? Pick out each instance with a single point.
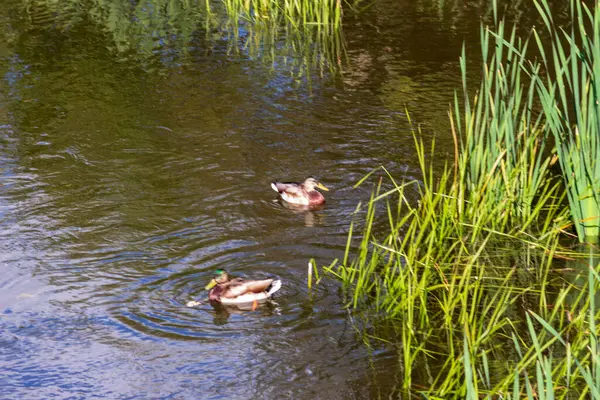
(128, 175)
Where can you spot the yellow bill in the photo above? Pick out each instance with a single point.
(321, 186)
(210, 285)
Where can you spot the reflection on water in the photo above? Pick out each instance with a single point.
(136, 160)
(312, 215)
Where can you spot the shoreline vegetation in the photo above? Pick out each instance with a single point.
(477, 283)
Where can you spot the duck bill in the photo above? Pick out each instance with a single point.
(210, 285)
(321, 186)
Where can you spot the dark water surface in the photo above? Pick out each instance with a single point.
(129, 174)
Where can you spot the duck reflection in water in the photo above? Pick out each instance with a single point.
(224, 312)
(310, 213)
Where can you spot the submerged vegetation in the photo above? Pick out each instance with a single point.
(474, 278)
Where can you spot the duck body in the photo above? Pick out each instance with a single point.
(237, 291)
(305, 193)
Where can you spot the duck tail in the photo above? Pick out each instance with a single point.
(275, 286)
(274, 186)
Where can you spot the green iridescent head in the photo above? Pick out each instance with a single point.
(221, 276)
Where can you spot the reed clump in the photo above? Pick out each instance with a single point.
(569, 92)
(439, 280)
(472, 277)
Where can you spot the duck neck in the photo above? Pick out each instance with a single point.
(215, 292)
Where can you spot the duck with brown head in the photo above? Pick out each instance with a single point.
(305, 193)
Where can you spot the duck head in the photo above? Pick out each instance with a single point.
(221, 277)
(311, 184)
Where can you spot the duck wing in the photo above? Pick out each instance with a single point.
(238, 287)
(288, 187)
(291, 192)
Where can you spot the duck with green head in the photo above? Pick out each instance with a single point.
(305, 193)
(223, 289)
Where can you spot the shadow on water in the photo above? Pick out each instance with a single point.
(137, 144)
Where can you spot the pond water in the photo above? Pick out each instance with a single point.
(130, 172)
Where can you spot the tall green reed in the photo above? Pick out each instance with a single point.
(557, 356)
(570, 95)
(502, 163)
(431, 273)
(441, 273)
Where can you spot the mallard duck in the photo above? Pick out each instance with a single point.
(225, 290)
(301, 193)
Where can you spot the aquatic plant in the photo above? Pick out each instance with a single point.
(502, 165)
(557, 354)
(570, 98)
(469, 274)
(485, 312)
(437, 278)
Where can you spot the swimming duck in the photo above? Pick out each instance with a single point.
(225, 290)
(301, 193)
